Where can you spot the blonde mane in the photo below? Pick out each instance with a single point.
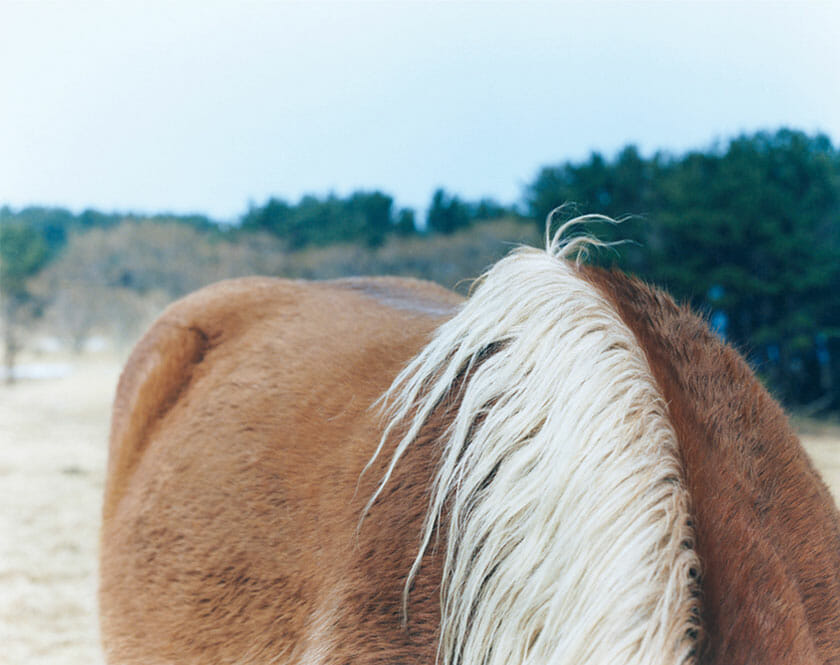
(568, 537)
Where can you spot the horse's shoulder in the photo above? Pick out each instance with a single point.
(362, 329)
(238, 313)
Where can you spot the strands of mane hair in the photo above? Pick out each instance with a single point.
(559, 486)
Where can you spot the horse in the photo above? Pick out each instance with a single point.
(565, 467)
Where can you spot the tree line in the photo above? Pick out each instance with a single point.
(363, 217)
(747, 231)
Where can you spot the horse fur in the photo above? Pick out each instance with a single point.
(560, 447)
(564, 451)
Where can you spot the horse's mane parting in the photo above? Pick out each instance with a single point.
(559, 487)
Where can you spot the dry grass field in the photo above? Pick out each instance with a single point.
(53, 435)
(52, 456)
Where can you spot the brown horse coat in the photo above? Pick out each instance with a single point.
(239, 436)
(242, 426)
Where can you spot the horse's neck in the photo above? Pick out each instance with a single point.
(767, 528)
(559, 485)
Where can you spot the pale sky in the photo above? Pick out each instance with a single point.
(205, 106)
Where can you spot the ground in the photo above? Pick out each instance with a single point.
(53, 434)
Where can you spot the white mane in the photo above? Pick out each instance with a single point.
(568, 537)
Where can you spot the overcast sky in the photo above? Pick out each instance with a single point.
(205, 106)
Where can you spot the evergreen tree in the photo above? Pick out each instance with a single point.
(447, 213)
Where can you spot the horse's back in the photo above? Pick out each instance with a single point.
(241, 426)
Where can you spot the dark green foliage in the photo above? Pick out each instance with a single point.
(23, 251)
(447, 213)
(371, 215)
(749, 234)
(488, 209)
(625, 186)
(406, 224)
(51, 224)
(365, 217)
(275, 217)
(55, 224)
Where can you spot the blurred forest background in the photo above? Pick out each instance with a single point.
(748, 232)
